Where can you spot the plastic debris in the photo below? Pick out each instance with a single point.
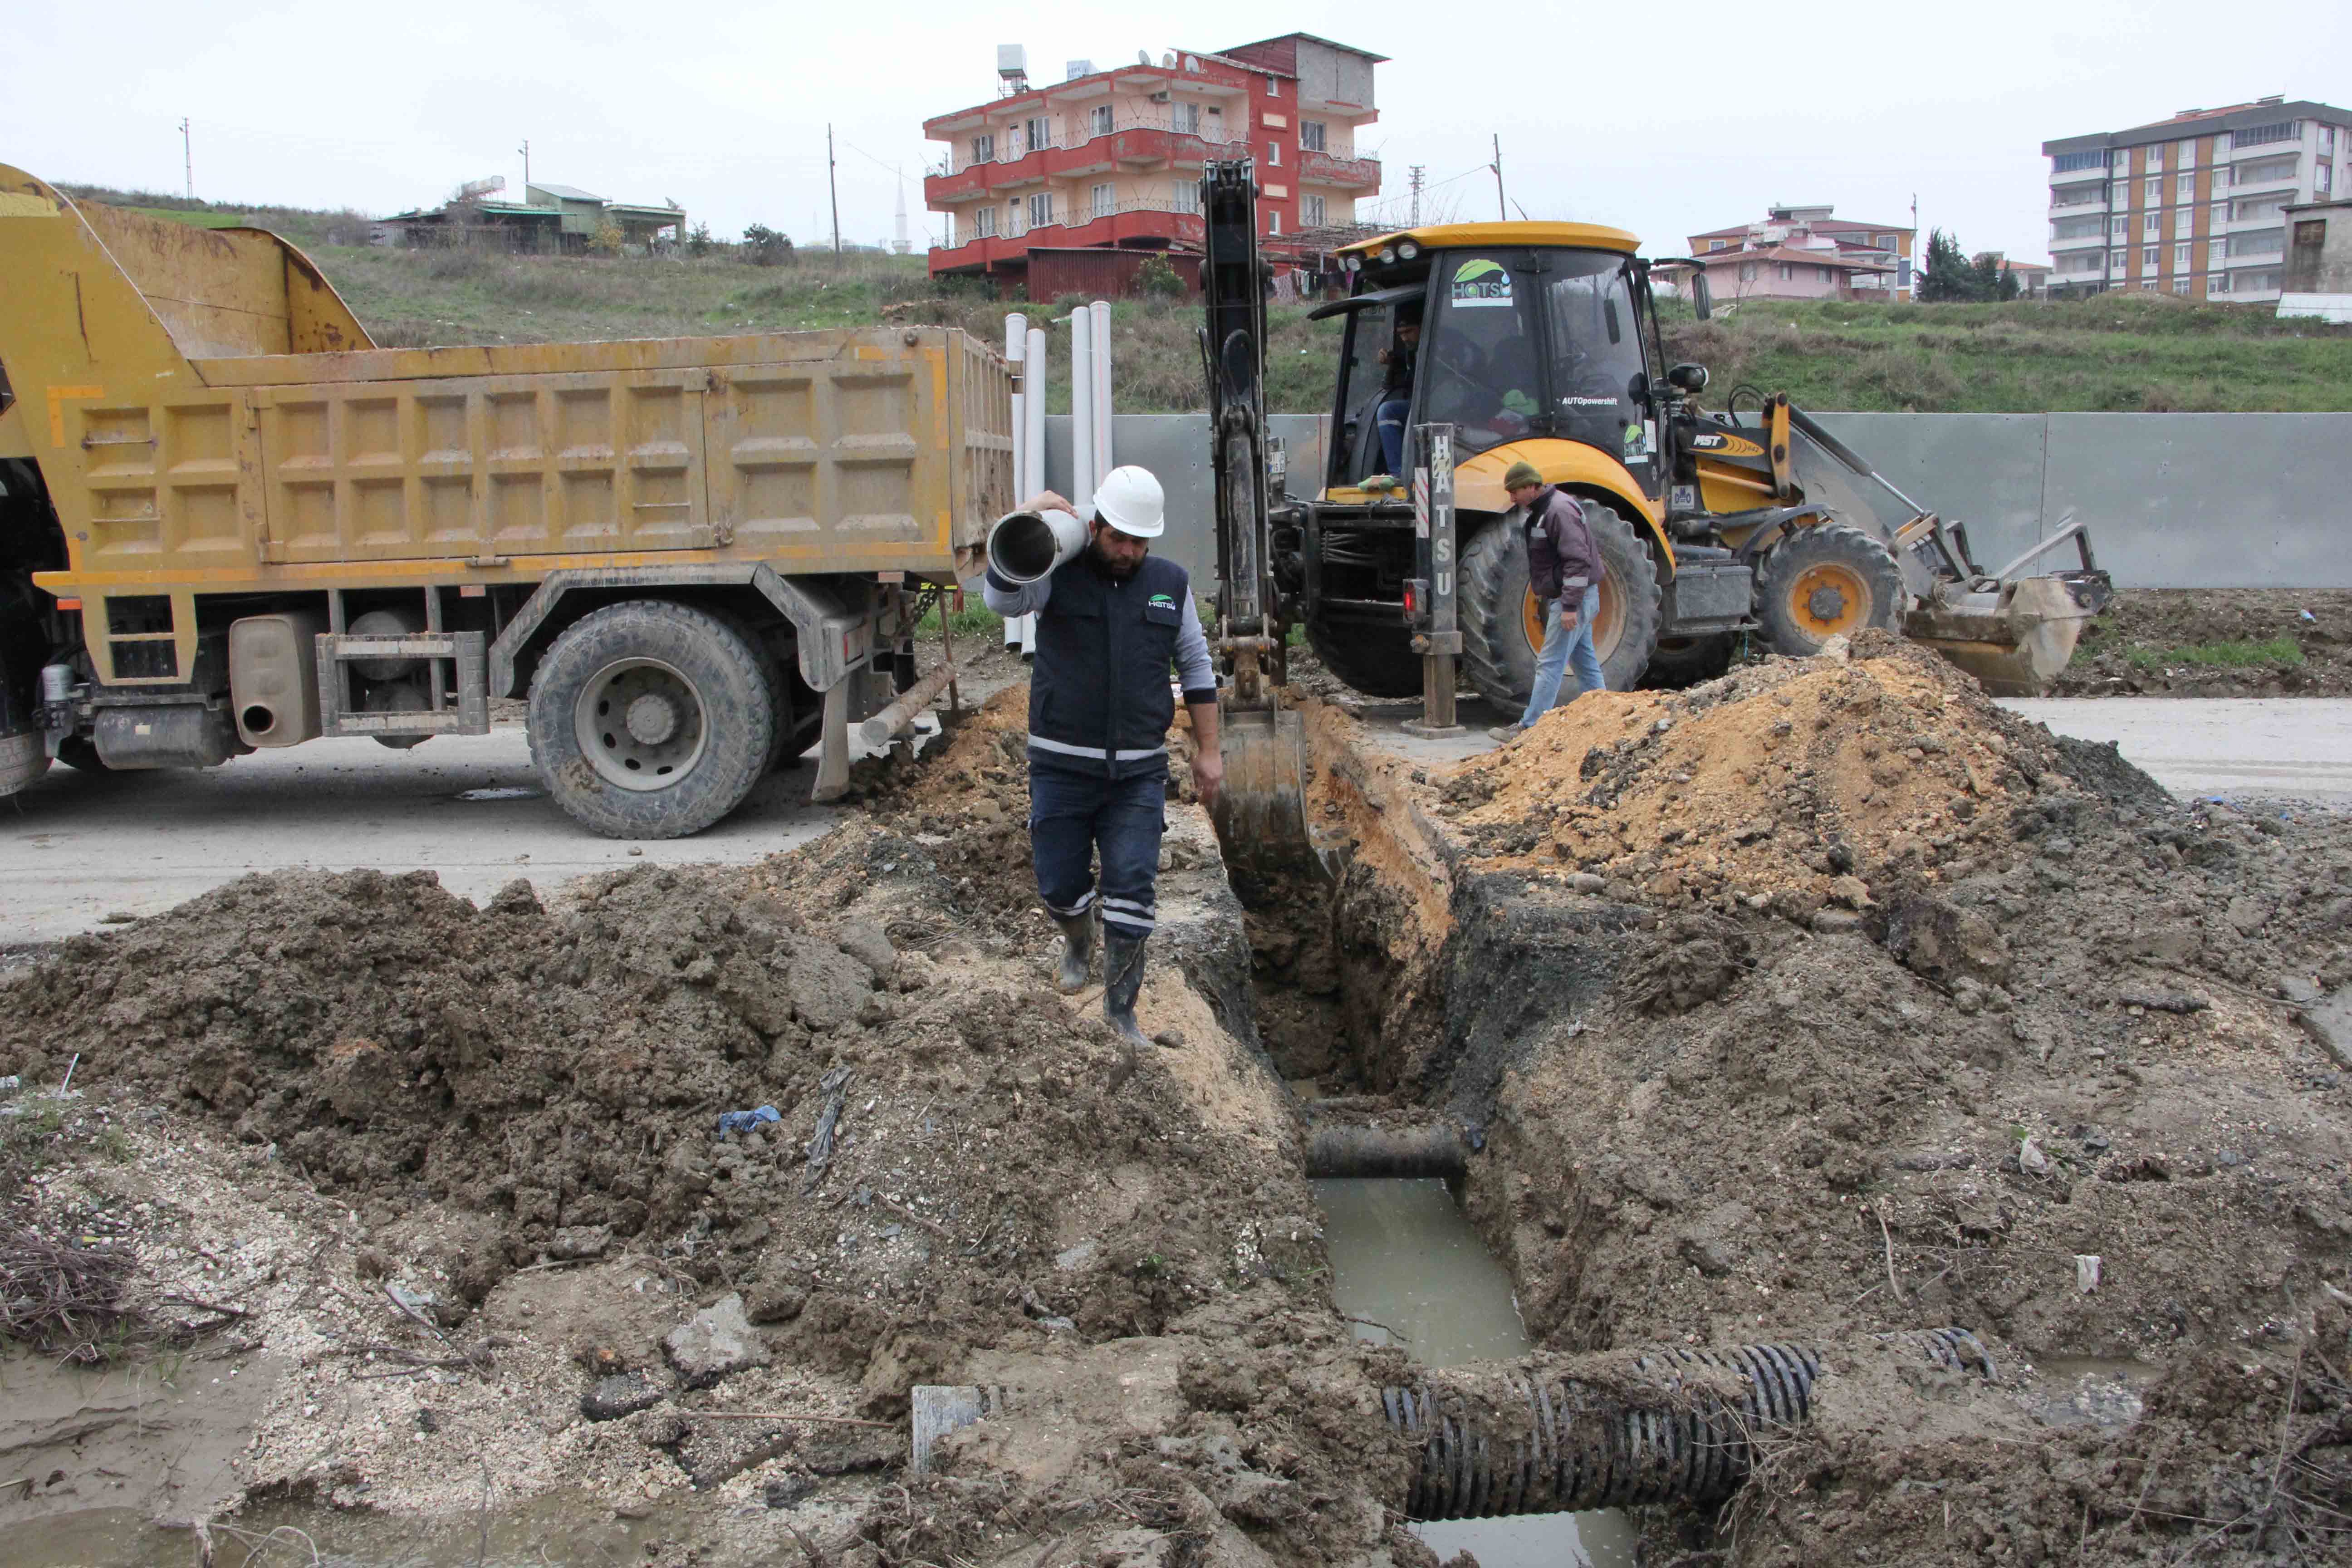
(744, 1120)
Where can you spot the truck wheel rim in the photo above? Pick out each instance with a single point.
(640, 724)
(1607, 618)
(1830, 600)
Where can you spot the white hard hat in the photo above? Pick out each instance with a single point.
(1131, 502)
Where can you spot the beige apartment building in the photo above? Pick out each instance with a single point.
(1112, 159)
(2193, 205)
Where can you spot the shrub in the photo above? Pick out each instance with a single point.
(1158, 278)
(699, 241)
(607, 239)
(765, 247)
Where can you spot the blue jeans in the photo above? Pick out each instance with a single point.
(1071, 816)
(1389, 417)
(1560, 648)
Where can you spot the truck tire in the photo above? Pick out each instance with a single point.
(1829, 580)
(1677, 662)
(1501, 626)
(1378, 662)
(650, 719)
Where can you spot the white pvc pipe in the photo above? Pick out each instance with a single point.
(1100, 310)
(1083, 478)
(1016, 352)
(1039, 369)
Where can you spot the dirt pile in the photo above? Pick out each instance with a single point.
(1789, 783)
(2216, 642)
(1914, 1015)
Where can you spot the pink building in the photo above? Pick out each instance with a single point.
(1825, 255)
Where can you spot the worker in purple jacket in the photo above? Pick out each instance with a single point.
(1565, 574)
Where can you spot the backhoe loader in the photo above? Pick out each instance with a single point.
(1540, 342)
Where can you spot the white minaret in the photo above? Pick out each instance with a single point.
(900, 242)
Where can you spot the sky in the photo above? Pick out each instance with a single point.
(1666, 121)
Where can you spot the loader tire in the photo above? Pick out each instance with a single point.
(1829, 580)
(650, 719)
(1677, 662)
(1502, 624)
(1378, 662)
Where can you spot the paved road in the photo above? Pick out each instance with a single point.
(75, 849)
(2293, 748)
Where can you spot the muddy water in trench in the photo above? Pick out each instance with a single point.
(1407, 1268)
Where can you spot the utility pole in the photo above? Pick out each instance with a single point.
(1500, 210)
(525, 151)
(188, 156)
(1415, 174)
(834, 187)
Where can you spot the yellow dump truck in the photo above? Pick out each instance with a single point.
(228, 520)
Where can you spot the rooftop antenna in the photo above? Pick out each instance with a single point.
(525, 151)
(1500, 210)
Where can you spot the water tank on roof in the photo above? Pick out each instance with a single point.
(1012, 60)
(1072, 70)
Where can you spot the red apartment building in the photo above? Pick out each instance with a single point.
(1110, 160)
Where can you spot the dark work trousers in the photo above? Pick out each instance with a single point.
(1075, 815)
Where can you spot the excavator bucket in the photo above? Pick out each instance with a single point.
(2012, 632)
(1261, 811)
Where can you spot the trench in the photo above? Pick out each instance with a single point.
(1349, 967)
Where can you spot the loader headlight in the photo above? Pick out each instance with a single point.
(1408, 250)
(1387, 253)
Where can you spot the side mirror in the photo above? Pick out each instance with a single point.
(1690, 379)
(1638, 389)
(1702, 299)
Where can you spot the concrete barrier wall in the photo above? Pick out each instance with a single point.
(2174, 501)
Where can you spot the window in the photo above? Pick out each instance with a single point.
(1187, 197)
(2151, 192)
(1105, 200)
(1099, 120)
(1717, 244)
(1887, 241)
(2115, 260)
(2264, 207)
(2180, 258)
(1311, 211)
(2155, 158)
(2148, 258)
(2263, 171)
(2261, 136)
(2184, 187)
(2152, 224)
(2116, 225)
(1273, 153)
(2216, 252)
(2327, 139)
(1595, 352)
(2119, 164)
(1037, 132)
(1185, 118)
(1787, 273)
(983, 222)
(2180, 285)
(2260, 242)
(1747, 272)
(1041, 208)
(1312, 135)
(1273, 87)
(2067, 162)
(2148, 286)
(2184, 222)
(2187, 154)
(2218, 216)
(2323, 179)
(1016, 224)
(2218, 284)
(983, 149)
(1272, 217)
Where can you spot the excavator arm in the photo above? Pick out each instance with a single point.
(1261, 810)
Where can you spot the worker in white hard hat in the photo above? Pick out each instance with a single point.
(1111, 622)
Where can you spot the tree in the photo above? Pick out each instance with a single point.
(765, 247)
(698, 240)
(1954, 277)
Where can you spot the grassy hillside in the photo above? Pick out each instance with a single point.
(2120, 352)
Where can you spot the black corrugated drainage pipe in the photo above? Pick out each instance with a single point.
(1335, 1148)
(1561, 1446)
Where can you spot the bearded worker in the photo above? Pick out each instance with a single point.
(1112, 621)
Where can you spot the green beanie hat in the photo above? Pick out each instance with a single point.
(1521, 473)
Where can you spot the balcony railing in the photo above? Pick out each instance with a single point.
(1083, 217)
(1012, 151)
(1333, 168)
(2089, 196)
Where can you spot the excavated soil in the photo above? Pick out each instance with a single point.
(2146, 642)
(1815, 1002)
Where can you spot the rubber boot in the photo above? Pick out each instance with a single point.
(1122, 980)
(1078, 952)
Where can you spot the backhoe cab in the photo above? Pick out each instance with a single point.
(1539, 341)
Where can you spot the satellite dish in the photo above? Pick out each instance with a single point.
(1143, 56)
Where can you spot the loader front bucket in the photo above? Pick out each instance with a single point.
(1261, 811)
(2016, 638)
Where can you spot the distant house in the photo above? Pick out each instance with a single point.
(2032, 278)
(553, 219)
(2318, 281)
(1836, 257)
